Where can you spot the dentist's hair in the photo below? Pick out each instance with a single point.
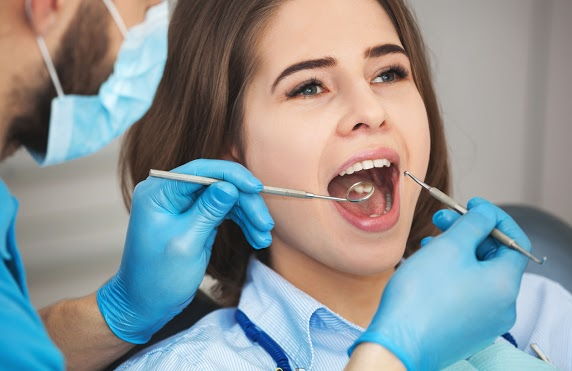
(198, 112)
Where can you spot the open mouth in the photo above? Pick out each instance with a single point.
(380, 173)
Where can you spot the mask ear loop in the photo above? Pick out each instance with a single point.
(116, 17)
(46, 54)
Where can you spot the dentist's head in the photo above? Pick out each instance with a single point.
(76, 73)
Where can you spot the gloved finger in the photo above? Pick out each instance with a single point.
(158, 195)
(444, 219)
(254, 209)
(166, 195)
(256, 238)
(476, 201)
(209, 243)
(509, 260)
(470, 230)
(210, 209)
(488, 249)
(229, 171)
(426, 240)
(503, 269)
(505, 223)
(176, 197)
(253, 217)
(510, 257)
(490, 246)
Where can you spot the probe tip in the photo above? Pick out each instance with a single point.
(535, 259)
(407, 173)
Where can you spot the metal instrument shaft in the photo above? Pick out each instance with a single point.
(500, 236)
(266, 189)
(540, 353)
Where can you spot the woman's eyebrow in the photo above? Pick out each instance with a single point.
(305, 65)
(373, 52)
(381, 50)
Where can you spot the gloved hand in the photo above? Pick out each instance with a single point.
(443, 304)
(171, 232)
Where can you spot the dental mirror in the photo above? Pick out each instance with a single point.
(354, 194)
(356, 191)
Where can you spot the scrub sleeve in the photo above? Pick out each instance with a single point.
(24, 342)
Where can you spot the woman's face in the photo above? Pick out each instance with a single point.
(334, 93)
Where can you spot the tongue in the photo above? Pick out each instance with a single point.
(373, 207)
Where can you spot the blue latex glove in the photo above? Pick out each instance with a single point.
(171, 232)
(443, 304)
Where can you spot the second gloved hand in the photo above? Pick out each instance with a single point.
(171, 232)
(443, 304)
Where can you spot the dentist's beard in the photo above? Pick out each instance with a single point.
(82, 63)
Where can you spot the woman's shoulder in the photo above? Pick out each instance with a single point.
(540, 294)
(544, 317)
(191, 348)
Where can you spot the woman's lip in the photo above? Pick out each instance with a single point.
(382, 152)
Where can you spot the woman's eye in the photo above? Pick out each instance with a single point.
(386, 77)
(307, 89)
(393, 74)
(311, 90)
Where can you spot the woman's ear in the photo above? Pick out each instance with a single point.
(231, 154)
(41, 14)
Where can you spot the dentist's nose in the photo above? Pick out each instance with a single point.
(362, 109)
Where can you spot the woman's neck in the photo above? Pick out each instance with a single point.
(354, 297)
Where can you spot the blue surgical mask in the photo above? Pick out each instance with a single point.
(82, 125)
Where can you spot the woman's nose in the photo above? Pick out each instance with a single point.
(362, 109)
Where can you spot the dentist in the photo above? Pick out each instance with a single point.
(75, 75)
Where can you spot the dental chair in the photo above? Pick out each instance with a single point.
(549, 235)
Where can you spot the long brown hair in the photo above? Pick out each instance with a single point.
(198, 111)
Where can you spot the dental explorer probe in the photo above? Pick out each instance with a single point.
(266, 189)
(500, 236)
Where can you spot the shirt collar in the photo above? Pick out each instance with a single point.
(268, 299)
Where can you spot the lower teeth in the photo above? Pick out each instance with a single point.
(388, 205)
(388, 202)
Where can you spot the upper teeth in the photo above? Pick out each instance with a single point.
(365, 165)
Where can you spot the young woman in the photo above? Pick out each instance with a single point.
(316, 95)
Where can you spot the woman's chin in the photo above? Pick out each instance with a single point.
(370, 260)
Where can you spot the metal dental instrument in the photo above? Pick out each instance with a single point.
(540, 353)
(500, 236)
(266, 189)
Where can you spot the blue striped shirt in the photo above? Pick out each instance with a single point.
(315, 338)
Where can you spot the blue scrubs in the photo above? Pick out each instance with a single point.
(24, 342)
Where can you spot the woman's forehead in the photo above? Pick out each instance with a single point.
(309, 29)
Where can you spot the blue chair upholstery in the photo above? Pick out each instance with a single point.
(551, 237)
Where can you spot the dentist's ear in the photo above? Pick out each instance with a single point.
(41, 14)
